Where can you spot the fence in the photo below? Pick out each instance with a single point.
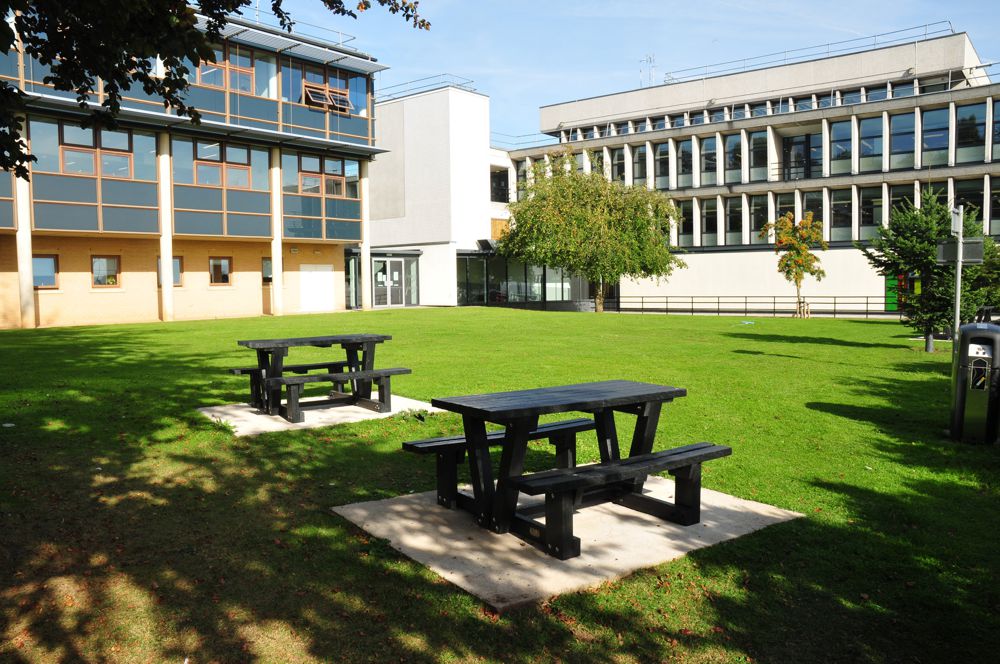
(851, 306)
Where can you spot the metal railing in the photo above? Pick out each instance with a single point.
(425, 84)
(851, 306)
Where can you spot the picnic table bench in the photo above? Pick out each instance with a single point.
(569, 487)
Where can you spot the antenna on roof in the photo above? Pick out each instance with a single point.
(647, 65)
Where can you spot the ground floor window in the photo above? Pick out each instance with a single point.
(105, 271)
(352, 280)
(266, 271)
(45, 271)
(178, 270)
(490, 279)
(220, 270)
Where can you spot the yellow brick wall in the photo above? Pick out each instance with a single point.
(10, 302)
(329, 254)
(196, 298)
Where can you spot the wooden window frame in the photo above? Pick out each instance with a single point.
(242, 167)
(323, 96)
(55, 259)
(118, 273)
(74, 148)
(63, 140)
(224, 66)
(230, 67)
(220, 258)
(336, 178)
(319, 176)
(119, 153)
(216, 164)
(130, 149)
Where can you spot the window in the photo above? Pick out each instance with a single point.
(840, 148)
(996, 131)
(840, 214)
(324, 176)
(685, 232)
(970, 194)
(935, 137)
(580, 159)
(621, 128)
(870, 144)
(641, 125)
(876, 94)
(802, 156)
(758, 218)
(930, 85)
(220, 271)
(738, 112)
(697, 117)
(758, 110)
(994, 205)
(618, 165)
(45, 271)
(717, 115)
(105, 271)
(850, 97)
(678, 120)
(970, 133)
(661, 165)
(709, 223)
(780, 106)
(639, 165)
(939, 189)
(499, 190)
(521, 172)
(901, 141)
(812, 201)
(660, 122)
(708, 162)
(734, 158)
(266, 272)
(804, 104)
(685, 167)
(588, 133)
(899, 196)
(178, 270)
(902, 89)
(783, 204)
(734, 220)
(827, 100)
(870, 214)
(758, 156)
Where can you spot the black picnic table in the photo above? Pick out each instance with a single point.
(495, 504)
(360, 352)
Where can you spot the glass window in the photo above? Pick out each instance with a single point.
(265, 75)
(970, 133)
(352, 179)
(660, 123)
(357, 91)
(310, 184)
(758, 218)
(734, 220)
(289, 173)
(717, 115)
(738, 112)
(333, 186)
(899, 195)
(996, 131)
(621, 128)
(105, 270)
(45, 271)
(580, 159)
(499, 192)
(685, 230)
(44, 144)
(970, 194)
(758, 110)
(734, 158)
(840, 148)
(661, 165)
(877, 93)
(812, 201)
(237, 177)
(209, 151)
(678, 120)
(930, 85)
(639, 165)
(521, 171)
(934, 147)
(116, 165)
(849, 97)
(266, 270)
(183, 160)
(618, 165)
(994, 205)
(783, 204)
(178, 270)
(840, 214)
(805, 104)
(209, 175)
(210, 73)
(75, 135)
(780, 106)
(259, 164)
(939, 189)
(870, 144)
(870, 214)
(114, 140)
(220, 271)
(237, 154)
(144, 160)
(709, 222)
(333, 166)
(827, 100)
(708, 162)
(758, 156)
(76, 161)
(685, 168)
(902, 89)
(309, 163)
(291, 81)
(697, 117)
(794, 157)
(901, 141)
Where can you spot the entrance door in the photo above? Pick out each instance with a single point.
(388, 276)
(316, 288)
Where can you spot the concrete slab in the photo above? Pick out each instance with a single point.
(505, 572)
(248, 421)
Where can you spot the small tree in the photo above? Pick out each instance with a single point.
(794, 243)
(585, 224)
(908, 246)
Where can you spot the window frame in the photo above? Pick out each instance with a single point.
(229, 273)
(180, 271)
(55, 272)
(117, 275)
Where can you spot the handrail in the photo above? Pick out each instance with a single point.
(746, 305)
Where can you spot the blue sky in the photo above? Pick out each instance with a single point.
(529, 54)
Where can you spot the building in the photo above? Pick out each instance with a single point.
(846, 137)
(251, 212)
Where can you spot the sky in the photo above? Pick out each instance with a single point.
(524, 55)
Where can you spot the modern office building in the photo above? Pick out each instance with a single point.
(251, 212)
(846, 137)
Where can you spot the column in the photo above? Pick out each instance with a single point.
(886, 206)
(745, 209)
(855, 214)
(607, 162)
(744, 156)
(277, 231)
(885, 141)
(772, 214)
(587, 166)
(826, 148)
(650, 166)
(951, 133)
(22, 240)
(366, 242)
(629, 175)
(165, 201)
(720, 221)
(918, 143)
(855, 146)
(987, 202)
(695, 161)
(798, 205)
(773, 172)
(720, 160)
(696, 222)
(827, 214)
(989, 137)
(673, 163)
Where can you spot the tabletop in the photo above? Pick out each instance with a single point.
(268, 344)
(502, 406)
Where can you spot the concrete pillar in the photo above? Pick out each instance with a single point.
(855, 146)
(366, 242)
(917, 198)
(855, 214)
(587, 166)
(826, 148)
(744, 156)
(987, 202)
(650, 165)
(827, 214)
(951, 133)
(22, 240)
(277, 230)
(989, 137)
(720, 220)
(745, 209)
(798, 205)
(885, 205)
(165, 201)
(607, 162)
(673, 163)
(772, 155)
(629, 175)
(885, 141)
(951, 192)
(695, 161)
(918, 141)
(696, 222)
(772, 214)
(720, 160)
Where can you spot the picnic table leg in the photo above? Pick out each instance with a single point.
(511, 465)
(644, 435)
(480, 468)
(607, 435)
(687, 494)
(274, 370)
(367, 364)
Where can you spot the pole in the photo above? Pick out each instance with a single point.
(958, 225)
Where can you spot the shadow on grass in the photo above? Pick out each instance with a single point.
(794, 340)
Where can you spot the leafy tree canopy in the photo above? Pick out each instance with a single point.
(794, 244)
(117, 41)
(585, 224)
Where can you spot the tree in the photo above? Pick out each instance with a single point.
(117, 42)
(585, 224)
(793, 243)
(908, 246)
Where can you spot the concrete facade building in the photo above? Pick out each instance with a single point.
(248, 213)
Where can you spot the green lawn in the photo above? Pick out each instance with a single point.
(134, 529)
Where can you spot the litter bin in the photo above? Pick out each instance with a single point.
(975, 404)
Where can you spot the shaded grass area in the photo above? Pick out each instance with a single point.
(134, 529)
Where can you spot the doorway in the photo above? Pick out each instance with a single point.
(388, 276)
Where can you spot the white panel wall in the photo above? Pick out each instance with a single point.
(469, 141)
(438, 275)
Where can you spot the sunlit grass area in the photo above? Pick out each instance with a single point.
(134, 529)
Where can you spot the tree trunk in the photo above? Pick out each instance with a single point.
(599, 297)
(799, 309)
(929, 341)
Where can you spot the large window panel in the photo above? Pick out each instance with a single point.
(994, 205)
(685, 167)
(44, 136)
(758, 218)
(901, 141)
(639, 166)
(758, 156)
(709, 175)
(734, 159)
(970, 194)
(709, 222)
(812, 201)
(934, 138)
(685, 231)
(734, 220)
(970, 133)
(841, 211)
(840, 148)
(661, 164)
(870, 214)
(870, 144)
(618, 165)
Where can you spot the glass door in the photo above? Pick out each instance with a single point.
(388, 277)
(395, 282)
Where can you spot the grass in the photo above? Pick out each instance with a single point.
(134, 529)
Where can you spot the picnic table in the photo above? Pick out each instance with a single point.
(357, 368)
(569, 487)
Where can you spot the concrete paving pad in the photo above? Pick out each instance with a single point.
(504, 571)
(248, 421)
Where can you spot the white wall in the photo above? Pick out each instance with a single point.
(438, 275)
